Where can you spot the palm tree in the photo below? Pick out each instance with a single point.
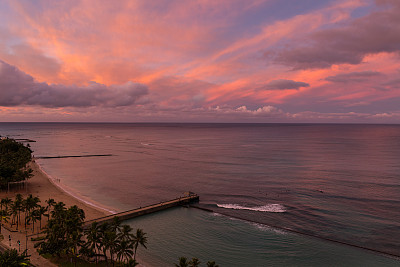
(14, 213)
(93, 238)
(131, 263)
(212, 264)
(42, 212)
(24, 207)
(18, 203)
(125, 233)
(139, 239)
(182, 262)
(12, 259)
(115, 224)
(103, 228)
(34, 202)
(34, 215)
(72, 224)
(58, 210)
(194, 262)
(30, 203)
(7, 201)
(63, 231)
(109, 240)
(2, 203)
(124, 250)
(50, 202)
(74, 240)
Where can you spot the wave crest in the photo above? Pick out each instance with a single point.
(265, 208)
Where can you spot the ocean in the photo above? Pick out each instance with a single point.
(280, 194)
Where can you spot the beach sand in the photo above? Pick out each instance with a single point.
(40, 185)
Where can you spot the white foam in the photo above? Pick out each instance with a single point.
(146, 144)
(263, 227)
(259, 226)
(265, 208)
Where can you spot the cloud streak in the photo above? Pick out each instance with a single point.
(353, 76)
(18, 88)
(283, 84)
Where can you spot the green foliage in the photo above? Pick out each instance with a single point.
(139, 239)
(11, 258)
(64, 231)
(182, 262)
(13, 209)
(212, 264)
(13, 159)
(194, 262)
(114, 239)
(65, 237)
(130, 263)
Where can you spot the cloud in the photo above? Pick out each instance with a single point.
(265, 110)
(371, 34)
(18, 88)
(177, 90)
(195, 56)
(395, 83)
(358, 76)
(31, 60)
(283, 84)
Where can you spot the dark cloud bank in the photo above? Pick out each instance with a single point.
(18, 88)
(283, 84)
(374, 33)
(358, 76)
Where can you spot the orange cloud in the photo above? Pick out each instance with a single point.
(202, 54)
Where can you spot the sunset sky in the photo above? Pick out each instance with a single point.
(200, 61)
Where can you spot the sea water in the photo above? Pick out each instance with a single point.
(277, 191)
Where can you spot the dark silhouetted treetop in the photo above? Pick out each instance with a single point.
(14, 157)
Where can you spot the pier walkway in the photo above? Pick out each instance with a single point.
(129, 214)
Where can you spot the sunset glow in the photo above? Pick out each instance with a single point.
(200, 61)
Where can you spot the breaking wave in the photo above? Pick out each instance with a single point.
(265, 208)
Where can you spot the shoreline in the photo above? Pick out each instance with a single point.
(92, 209)
(40, 185)
(44, 186)
(68, 191)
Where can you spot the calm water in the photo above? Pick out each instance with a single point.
(340, 182)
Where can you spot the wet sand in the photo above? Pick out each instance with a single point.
(40, 185)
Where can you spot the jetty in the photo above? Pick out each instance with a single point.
(73, 156)
(187, 199)
(24, 140)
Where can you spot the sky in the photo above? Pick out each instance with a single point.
(278, 61)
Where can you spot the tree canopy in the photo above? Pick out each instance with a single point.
(13, 159)
(11, 258)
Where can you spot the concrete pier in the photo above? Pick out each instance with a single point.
(129, 214)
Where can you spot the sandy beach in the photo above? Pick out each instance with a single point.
(41, 186)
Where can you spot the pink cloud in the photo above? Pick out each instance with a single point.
(195, 56)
